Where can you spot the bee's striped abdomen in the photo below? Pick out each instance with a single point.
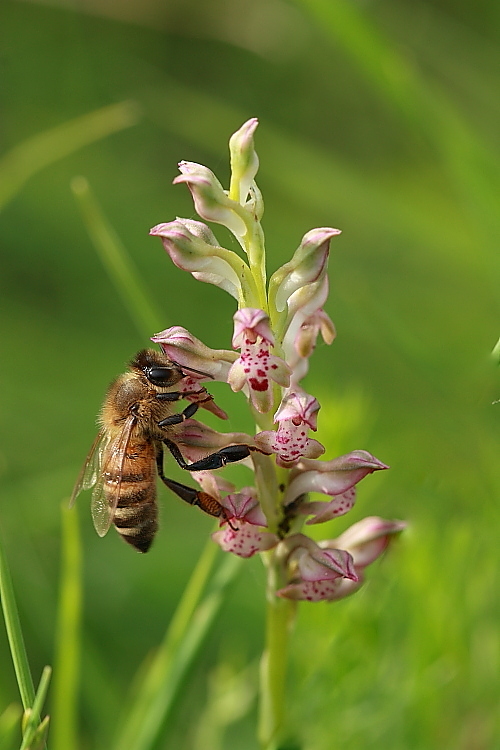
(136, 515)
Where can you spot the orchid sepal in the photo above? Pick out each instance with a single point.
(188, 351)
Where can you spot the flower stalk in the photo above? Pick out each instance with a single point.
(273, 667)
(276, 327)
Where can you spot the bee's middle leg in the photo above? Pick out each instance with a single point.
(228, 455)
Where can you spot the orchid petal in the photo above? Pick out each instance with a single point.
(326, 564)
(339, 506)
(249, 323)
(246, 540)
(311, 591)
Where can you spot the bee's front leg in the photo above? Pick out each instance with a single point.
(187, 413)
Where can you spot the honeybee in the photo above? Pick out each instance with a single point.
(136, 420)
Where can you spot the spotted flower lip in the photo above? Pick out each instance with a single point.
(244, 526)
(256, 368)
(315, 572)
(296, 415)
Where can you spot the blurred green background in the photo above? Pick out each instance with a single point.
(380, 118)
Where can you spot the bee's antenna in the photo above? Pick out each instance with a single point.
(198, 372)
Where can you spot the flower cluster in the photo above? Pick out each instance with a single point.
(276, 327)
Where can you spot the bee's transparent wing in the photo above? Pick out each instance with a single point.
(91, 468)
(104, 501)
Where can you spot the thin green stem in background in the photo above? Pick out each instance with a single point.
(64, 734)
(34, 731)
(145, 720)
(15, 635)
(32, 702)
(117, 262)
(35, 153)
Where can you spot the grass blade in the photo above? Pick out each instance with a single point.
(15, 635)
(34, 730)
(117, 261)
(64, 734)
(146, 718)
(29, 157)
(473, 167)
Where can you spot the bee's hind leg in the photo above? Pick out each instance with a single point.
(203, 500)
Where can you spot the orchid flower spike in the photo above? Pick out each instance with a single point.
(276, 327)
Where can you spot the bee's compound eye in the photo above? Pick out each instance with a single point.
(163, 376)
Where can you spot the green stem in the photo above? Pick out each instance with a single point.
(274, 661)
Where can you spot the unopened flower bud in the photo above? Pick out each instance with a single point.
(210, 200)
(244, 160)
(307, 265)
(193, 247)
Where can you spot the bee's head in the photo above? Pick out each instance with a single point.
(157, 368)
